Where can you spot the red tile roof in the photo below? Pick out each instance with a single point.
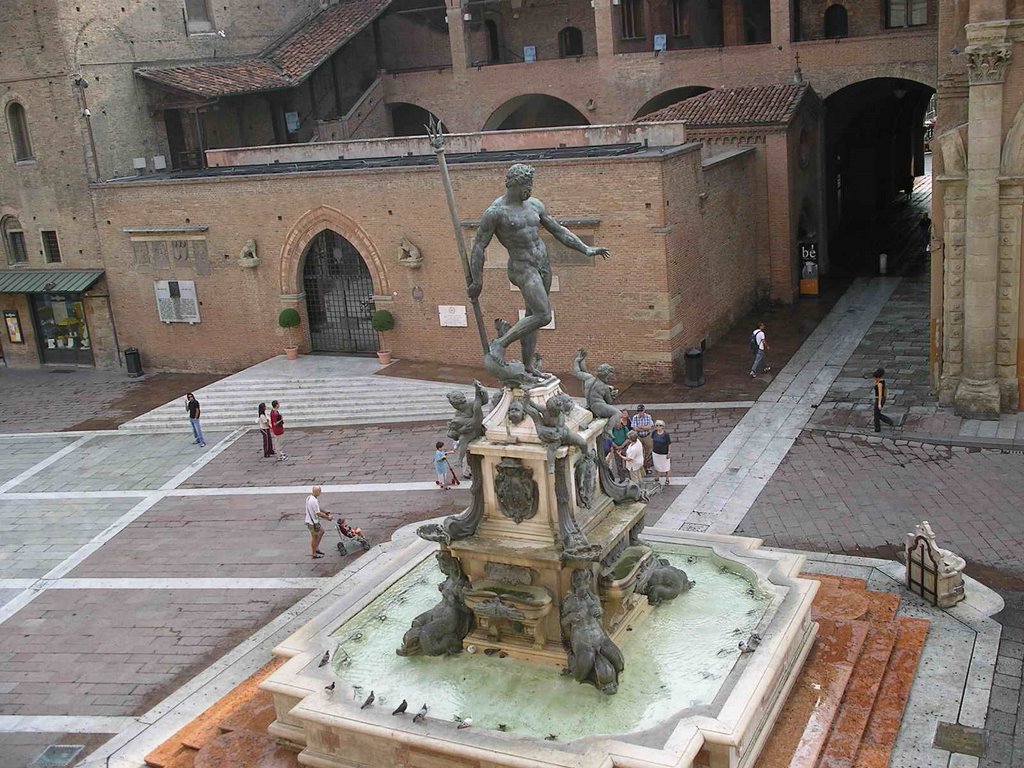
(284, 65)
(748, 105)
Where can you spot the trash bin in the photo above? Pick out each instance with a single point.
(133, 362)
(694, 367)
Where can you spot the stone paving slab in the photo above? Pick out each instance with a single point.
(121, 462)
(118, 652)
(18, 750)
(37, 535)
(253, 536)
(846, 496)
(343, 455)
(21, 453)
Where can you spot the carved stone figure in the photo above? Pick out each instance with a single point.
(497, 611)
(550, 425)
(597, 391)
(468, 422)
(586, 480)
(516, 412)
(440, 630)
(620, 491)
(575, 545)
(248, 258)
(593, 657)
(463, 525)
(517, 492)
(515, 218)
(663, 582)
(410, 255)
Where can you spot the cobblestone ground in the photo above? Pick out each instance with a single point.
(53, 399)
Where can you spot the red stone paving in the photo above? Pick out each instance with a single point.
(118, 652)
(254, 536)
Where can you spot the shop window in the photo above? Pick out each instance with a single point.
(570, 42)
(17, 126)
(62, 329)
(14, 241)
(197, 16)
(51, 246)
(632, 19)
(836, 24)
(906, 13)
(680, 18)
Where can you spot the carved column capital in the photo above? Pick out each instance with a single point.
(986, 63)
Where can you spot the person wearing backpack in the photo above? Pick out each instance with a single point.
(277, 429)
(878, 401)
(758, 347)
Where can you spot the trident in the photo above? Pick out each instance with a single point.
(436, 134)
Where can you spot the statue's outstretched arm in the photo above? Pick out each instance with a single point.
(565, 236)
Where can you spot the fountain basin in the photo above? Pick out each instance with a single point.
(664, 714)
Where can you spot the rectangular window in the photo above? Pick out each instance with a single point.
(16, 251)
(197, 15)
(906, 13)
(632, 19)
(680, 18)
(51, 246)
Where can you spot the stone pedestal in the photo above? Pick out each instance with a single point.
(934, 573)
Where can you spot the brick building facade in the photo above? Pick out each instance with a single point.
(107, 92)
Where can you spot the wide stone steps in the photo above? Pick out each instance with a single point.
(846, 707)
(232, 402)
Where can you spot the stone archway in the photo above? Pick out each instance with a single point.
(308, 226)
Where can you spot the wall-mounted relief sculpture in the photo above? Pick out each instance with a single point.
(409, 255)
(517, 492)
(248, 259)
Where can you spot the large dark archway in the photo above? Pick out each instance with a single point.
(534, 110)
(339, 295)
(411, 119)
(670, 97)
(874, 149)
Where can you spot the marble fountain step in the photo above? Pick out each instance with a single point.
(846, 707)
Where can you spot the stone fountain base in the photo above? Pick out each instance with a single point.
(329, 730)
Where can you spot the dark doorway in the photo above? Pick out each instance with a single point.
(836, 24)
(411, 120)
(670, 97)
(339, 296)
(570, 42)
(534, 110)
(493, 42)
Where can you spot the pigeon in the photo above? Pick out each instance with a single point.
(329, 688)
(551, 737)
(369, 701)
(420, 716)
(490, 651)
(324, 659)
(400, 709)
(466, 723)
(502, 727)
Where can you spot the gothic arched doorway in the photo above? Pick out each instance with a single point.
(339, 296)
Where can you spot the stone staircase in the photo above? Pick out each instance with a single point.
(305, 402)
(847, 704)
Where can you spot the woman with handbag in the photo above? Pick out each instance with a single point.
(277, 429)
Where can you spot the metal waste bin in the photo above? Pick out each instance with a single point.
(694, 367)
(133, 362)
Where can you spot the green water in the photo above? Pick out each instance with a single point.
(677, 657)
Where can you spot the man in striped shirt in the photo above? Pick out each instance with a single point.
(643, 425)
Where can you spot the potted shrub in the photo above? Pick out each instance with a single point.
(382, 322)
(289, 320)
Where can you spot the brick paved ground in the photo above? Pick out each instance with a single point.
(122, 462)
(849, 496)
(53, 399)
(18, 454)
(254, 536)
(37, 535)
(1005, 748)
(116, 652)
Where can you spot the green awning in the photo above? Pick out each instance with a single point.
(48, 280)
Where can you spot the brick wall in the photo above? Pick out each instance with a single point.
(863, 18)
(26, 354)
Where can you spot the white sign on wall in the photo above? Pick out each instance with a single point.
(176, 301)
(549, 327)
(452, 315)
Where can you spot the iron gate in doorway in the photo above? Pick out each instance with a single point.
(339, 296)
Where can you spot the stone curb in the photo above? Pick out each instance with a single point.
(914, 438)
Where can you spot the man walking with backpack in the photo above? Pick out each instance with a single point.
(758, 346)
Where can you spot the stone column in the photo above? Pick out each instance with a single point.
(1011, 208)
(604, 28)
(977, 395)
(781, 22)
(457, 39)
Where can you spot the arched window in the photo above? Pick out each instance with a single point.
(570, 42)
(14, 240)
(836, 22)
(17, 126)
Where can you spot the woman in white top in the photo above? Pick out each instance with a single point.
(268, 440)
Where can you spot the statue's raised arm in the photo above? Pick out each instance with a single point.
(563, 235)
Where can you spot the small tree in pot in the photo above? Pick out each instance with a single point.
(383, 321)
(289, 320)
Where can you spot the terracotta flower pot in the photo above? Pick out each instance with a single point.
(384, 356)
(291, 352)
